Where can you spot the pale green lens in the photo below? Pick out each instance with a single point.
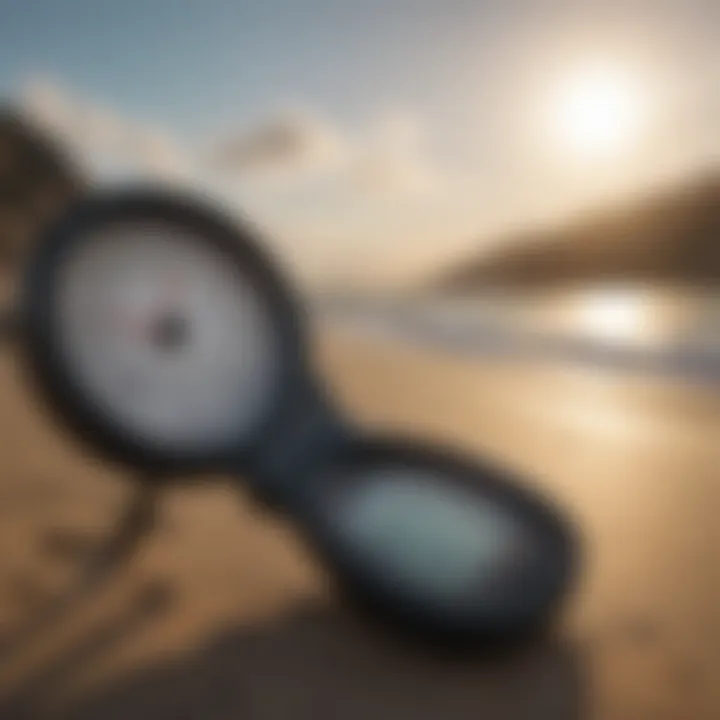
(432, 538)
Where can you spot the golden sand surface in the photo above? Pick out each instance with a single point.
(223, 615)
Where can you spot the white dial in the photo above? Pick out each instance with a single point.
(168, 336)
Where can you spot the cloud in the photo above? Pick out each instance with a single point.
(332, 195)
(389, 158)
(395, 159)
(157, 152)
(104, 138)
(393, 175)
(46, 103)
(294, 142)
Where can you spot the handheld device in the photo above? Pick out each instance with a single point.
(165, 336)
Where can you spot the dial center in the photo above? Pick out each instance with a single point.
(171, 332)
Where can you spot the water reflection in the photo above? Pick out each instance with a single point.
(634, 314)
(632, 327)
(618, 314)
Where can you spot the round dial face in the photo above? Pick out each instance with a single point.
(171, 340)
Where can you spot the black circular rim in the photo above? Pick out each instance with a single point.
(51, 372)
(544, 592)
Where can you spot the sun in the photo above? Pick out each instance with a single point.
(597, 112)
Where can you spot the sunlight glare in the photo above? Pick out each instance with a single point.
(614, 315)
(596, 112)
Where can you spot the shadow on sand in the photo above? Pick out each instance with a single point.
(319, 662)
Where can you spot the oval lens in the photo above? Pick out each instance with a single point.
(438, 541)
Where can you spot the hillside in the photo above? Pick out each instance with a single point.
(37, 180)
(670, 236)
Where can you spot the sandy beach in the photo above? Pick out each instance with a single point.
(223, 614)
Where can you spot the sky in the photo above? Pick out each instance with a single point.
(375, 140)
